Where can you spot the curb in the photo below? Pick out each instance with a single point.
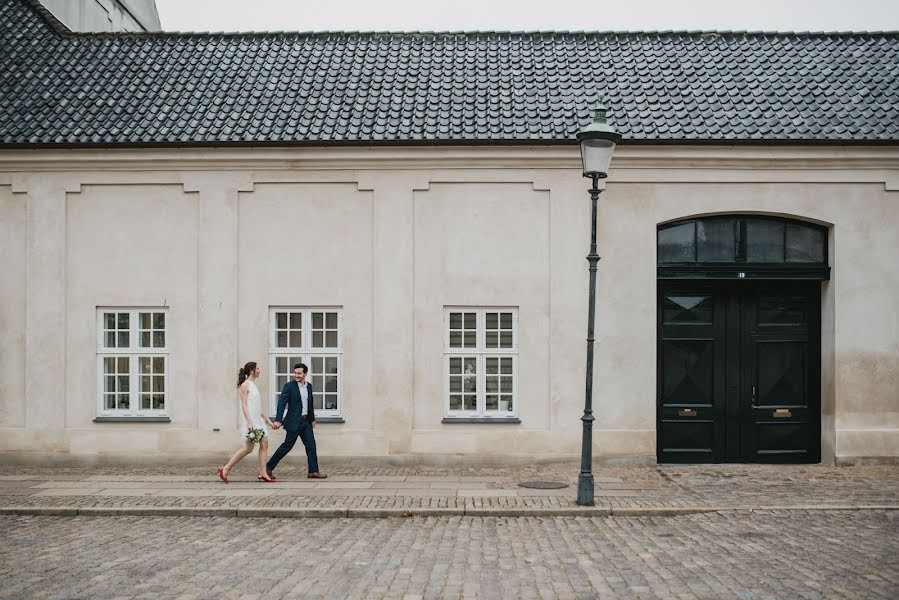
(381, 513)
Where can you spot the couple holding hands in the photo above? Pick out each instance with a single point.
(299, 422)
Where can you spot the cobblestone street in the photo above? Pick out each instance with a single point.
(780, 554)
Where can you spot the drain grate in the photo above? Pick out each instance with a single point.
(543, 485)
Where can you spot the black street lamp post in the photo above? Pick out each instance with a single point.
(597, 141)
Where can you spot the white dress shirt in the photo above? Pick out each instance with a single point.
(304, 399)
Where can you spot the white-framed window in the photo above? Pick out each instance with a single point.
(132, 361)
(480, 362)
(314, 337)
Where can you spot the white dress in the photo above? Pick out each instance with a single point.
(254, 406)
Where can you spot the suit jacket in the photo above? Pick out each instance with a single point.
(290, 399)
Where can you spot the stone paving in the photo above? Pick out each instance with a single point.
(464, 488)
(788, 554)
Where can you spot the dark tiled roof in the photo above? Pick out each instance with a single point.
(324, 88)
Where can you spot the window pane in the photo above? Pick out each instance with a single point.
(492, 402)
(318, 339)
(109, 402)
(331, 320)
(804, 244)
(506, 320)
(455, 402)
(455, 339)
(144, 339)
(506, 385)
(144, 364)
(109, 383)
(715, 241)
(123, 364)
(281, 339)
(123, 341)
(470, 321)
(159, 339)
(296, 320)
(677, 243)
(492, 320)
(507, 366)
(492, 366)
(124, 401)
(124, 320)
(764, 241)
(505, 339)
(492, 385)
(455, 320)
(109, 320)
(330, 401)
(470, 365)
(144, 320)
(317, 364)
(158, 364)
(159, 320)
(145, 383)
(281, 381)
(318, 320)
(471, 402)
(318, 401)
(158, 402)
(110, 340)
(281, 364)
(317, 382)
(331, 364)
(281, 320)
(470, 339)
(471, 384)
(331, 339)
(159, 384)
(109, 365)
(145, 401)
(492, 339)
(331, 383)
(455, 365)
(455, 384)
(296, 339)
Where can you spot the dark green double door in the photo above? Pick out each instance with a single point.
(739, 371)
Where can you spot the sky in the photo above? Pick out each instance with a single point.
(503, 15)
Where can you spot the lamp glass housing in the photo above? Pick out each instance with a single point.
(596, 155)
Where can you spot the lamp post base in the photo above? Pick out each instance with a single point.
(585, 489)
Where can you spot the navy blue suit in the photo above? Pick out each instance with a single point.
(296, 425)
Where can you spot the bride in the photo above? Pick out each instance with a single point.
(251, 405)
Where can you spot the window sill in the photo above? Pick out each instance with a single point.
(322, 419)
(132, 420)
(453, 420)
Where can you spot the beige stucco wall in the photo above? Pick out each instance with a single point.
(392, 236)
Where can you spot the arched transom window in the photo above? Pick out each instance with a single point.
(742, 246)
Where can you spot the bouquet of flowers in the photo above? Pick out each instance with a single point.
(255, 435)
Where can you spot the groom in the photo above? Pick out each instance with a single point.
(300, 421)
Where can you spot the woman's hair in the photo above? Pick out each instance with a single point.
(245, 372)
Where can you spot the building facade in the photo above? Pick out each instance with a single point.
(105, 15)
(354, 208)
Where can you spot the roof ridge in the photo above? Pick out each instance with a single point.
(61, 28)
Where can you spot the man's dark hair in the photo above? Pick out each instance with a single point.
(301, 366)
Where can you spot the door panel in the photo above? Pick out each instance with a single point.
(781, 420)
(739, 372)
(691, 374)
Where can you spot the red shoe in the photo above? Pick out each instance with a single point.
(222, 474)
(265, 479)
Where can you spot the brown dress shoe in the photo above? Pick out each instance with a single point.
(316, 476)
(271, 475)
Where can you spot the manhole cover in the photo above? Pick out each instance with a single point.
(543, 485)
